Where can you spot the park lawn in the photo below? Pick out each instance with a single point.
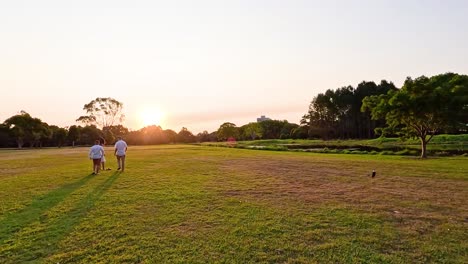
(198, 204)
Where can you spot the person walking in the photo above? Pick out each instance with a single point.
(103, 160)
(96, 153)
(120, 150)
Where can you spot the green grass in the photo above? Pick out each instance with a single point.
(197, 204)
(440, 145)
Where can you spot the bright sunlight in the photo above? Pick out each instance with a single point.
(151, 116)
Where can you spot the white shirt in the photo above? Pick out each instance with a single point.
(121, 148)
(96, 152)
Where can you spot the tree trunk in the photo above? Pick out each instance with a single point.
(20, 143)
(423, 148)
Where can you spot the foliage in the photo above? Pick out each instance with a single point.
(252, 131)
(102, 112)
(89, 134)
(73, 134)
(336, 113)
(26, 129)
(453, 145)
(185, 136)
(227, 130)
(6, 139)
(423, 107)
(275, 129)
(58, 135)
(207, 137)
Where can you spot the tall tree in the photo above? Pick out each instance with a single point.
(73, 135)
(102, 112)
(227, 130)
(423, 107)
(337, 113)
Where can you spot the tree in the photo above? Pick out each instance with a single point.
(323, 115)
(271, 129)
(252, 131)
(205, 137)
(102, 112)
(170, 135)
(59, 135)
(423, 107)
(89, 134)
(300, 132)
(73, 134)
(25, 128)
(337, 113)
(185, 136)
(227, 130)
(41, 133)
(6, 139)
(117, 130)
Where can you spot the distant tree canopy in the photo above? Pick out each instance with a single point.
(26, 129)
(102, 112)
(337, 113)
(227, 130)
(423, 107)
(267, 129)
(251, 131)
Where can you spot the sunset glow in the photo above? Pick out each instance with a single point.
(151, 116)
(208, 62)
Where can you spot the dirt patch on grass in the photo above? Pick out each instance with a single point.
(280, 181)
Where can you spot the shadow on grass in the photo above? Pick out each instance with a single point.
(15, 221)
(47, 242)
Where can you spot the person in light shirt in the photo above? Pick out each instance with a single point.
(96, 153)
(120, 151)
(103, 160)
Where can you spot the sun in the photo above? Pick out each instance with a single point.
(151, 116)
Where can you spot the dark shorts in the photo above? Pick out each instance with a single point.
(97, 161)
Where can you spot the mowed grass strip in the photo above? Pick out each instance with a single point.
(185, 204)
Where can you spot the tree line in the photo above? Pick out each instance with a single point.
(23, 130)
(423, 107)
(336, 114)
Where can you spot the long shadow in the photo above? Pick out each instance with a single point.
(15, 221)
(47, 242)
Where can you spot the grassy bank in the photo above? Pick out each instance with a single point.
(440, 145)
(193, 204)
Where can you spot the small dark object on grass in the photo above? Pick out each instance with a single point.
(108, 169)
(373, 173)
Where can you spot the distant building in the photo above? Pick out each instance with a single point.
(263, 118)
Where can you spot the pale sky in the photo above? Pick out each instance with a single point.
(203, 63)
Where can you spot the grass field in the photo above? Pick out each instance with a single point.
(198, 204)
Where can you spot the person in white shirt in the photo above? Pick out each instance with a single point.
(103, 160)
(119, 152)
(96, 153)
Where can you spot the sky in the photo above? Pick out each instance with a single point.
(202, 63)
